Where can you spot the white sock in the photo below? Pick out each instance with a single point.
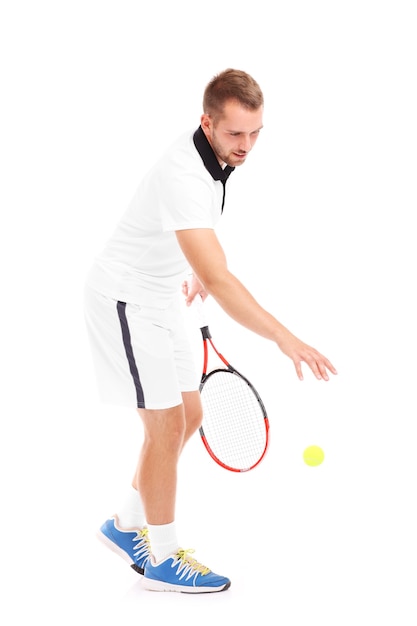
(163, 539)
(131, 513)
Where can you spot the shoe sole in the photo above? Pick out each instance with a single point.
(157, 585)
(115, 548)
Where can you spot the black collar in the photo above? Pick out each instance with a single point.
(209, 158)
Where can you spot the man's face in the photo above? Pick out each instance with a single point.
(233, 136)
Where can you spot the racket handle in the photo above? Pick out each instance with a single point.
(197, 306)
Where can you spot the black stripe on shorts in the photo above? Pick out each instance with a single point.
(121, 310)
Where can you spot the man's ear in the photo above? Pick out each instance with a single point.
(206, 124)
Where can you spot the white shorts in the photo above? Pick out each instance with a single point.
(142, 355)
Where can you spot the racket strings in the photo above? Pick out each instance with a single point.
(234, 424)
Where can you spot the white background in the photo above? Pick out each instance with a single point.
(319, 224)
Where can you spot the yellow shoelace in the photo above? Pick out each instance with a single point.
(184, 556)
(142, 535)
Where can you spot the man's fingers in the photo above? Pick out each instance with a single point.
(318, 364)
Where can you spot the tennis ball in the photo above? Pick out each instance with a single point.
(313, 455)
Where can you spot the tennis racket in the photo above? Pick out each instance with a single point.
(235, 426)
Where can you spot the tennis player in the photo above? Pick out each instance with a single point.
(137, 333)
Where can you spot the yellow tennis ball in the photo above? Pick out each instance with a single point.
(313, 455)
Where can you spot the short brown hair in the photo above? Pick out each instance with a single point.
(231, 85)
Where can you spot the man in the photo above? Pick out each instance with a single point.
(138, 337)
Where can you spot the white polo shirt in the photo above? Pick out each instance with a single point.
(142, 262)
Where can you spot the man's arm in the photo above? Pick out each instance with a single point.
(207, 259)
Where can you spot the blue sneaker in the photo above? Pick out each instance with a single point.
(132, 545)
(180, 572)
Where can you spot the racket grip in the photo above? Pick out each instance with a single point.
(198, 309)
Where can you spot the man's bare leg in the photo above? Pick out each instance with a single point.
(165, 433)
